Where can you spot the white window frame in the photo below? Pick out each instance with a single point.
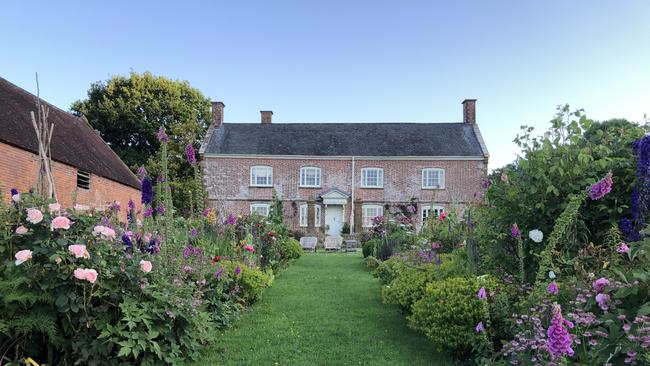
(269, 176)
(317, 217)
(366, 219)
(303, 177)
(303, 215)
(256, 206)
(437, 210)
(426, 180)
(364, 178)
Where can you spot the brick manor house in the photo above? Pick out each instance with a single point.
(330, 174)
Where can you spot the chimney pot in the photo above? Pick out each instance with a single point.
(217, 113)
(469, 111)
(267, 117)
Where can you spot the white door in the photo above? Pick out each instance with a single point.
(334, 219)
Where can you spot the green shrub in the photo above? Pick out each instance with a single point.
(251, 281)
(372, 262)
(448, 313)
(409, 282)
(388, 269)
(368, 248)
(289, 248)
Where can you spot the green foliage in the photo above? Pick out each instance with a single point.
(251, 282)
(447, 313)
(573, 154)
(289, 248)
(127, 112)
(276, 215)
(409, 280)
(367, 248)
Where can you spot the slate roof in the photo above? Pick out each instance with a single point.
(74, 141)
(348, 139)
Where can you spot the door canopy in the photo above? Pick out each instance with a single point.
(334, 196)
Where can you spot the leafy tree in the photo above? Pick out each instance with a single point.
(534, 190)
(128, 111)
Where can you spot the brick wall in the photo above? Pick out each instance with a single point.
(18, 170)
(227, 181)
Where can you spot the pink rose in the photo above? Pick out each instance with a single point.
(79, 251)
(21, 230)
(145, 266)
(54, 207)
(109, 233)
(34, 216)
(249, 248)
(23, 256)
(91, 275)
(97, 230)
(623, 248)
(60, 222)
(80, 273)
(147, 237)
(104, 231)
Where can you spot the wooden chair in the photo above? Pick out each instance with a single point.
(333, 243)
(309, 243)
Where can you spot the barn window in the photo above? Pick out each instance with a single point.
(83, 179)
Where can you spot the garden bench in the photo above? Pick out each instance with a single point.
(333, 243)
(309, 243)
(350, 245)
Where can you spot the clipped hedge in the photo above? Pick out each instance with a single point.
(289, 248)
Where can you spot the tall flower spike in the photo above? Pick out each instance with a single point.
(602, 188)
(559, 341)
(190, 154)
(515, 232)
(147, 191)
(162, 135)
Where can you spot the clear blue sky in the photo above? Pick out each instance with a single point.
(349, 61)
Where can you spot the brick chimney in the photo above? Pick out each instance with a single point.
(469, 111)
(267, 117)
(217, 114)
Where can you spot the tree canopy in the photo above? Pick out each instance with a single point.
(128, 111)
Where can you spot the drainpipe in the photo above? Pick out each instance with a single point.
(352, 205)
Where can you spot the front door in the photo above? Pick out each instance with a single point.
(334, 219)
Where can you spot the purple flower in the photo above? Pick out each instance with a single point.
(479, 327)
(623, 248)
(194, 232)
(485, 183)
(603, 300)
(481, 294)
(553, 288)
(161, 178)
(141, 172)
(237, 270)
(435, 246)
(161, 209)
(147, 191)
(602, 188)
(14, 192)
(627, 327)
(131, 204)
(515, 232)
(600, 284)
(231, 220)
(190, 154)
(162, 136)
(218, 274)
(148, 212)
(410, 209)
(559, 341)
(206, 212)
(127, 241)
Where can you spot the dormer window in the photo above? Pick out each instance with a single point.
(261, 176)
(310, 177)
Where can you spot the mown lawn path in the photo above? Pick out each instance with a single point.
(325, 309)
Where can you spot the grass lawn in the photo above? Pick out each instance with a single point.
(323, 310)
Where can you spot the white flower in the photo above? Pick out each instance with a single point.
(16, 197)
(536, 235)
(551, 274)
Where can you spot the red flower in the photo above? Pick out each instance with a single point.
(271, 233)
(216, 259)
(442, 216)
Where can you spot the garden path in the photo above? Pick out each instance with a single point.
(325, 309)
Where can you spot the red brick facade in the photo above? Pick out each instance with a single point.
(18, 169)
(228, 182)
